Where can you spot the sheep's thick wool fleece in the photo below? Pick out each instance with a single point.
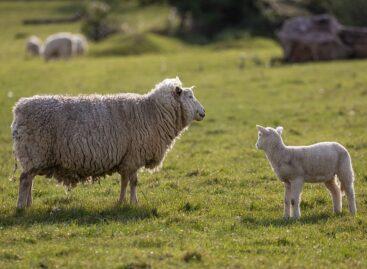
(75, 138)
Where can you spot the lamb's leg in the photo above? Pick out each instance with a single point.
(346, 178)
(124, 182)
(349, 191)
(133, 184)
(296, 190)
(287, 200)
(336, 194)
(25, 190)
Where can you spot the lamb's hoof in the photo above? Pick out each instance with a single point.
(121, 202)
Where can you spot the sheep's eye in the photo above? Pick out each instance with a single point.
(260, 134)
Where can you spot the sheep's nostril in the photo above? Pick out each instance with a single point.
(202, 115)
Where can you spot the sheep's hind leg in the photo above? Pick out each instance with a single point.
(287, 200)
(296, 190)
(133, 184)
(336, 195)
(25, 190)
(29, 197)
(124, 182)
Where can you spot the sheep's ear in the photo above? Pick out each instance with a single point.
(178, 90)
(261, 129)
(279, 130)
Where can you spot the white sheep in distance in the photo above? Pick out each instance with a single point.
(64, 46)
(295, 165)
(75, 139)
(33, 46)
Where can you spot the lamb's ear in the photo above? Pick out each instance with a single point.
(261, 129)
(279, 130)
(178, 90)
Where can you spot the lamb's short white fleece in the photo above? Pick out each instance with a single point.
(295, 165)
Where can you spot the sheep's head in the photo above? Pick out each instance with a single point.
(268, 137)
(191, 106)
(171, 92)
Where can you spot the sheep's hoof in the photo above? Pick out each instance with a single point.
(19, 210)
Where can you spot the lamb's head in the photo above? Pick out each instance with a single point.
(268, 137)
(171, 93)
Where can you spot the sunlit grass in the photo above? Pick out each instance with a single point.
(216, 203)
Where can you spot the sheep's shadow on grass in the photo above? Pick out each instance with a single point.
(79, 215)
(281, 222)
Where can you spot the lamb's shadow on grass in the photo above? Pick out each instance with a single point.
(281, 222)
(79, 215)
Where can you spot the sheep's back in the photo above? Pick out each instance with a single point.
(92, 137)
(85, 135)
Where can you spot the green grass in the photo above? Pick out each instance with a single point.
(216, 203)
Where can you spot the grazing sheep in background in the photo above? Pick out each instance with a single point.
(64, 45)
(316, 163)
(33, 46)
(76, 139)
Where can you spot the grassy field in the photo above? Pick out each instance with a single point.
(216, 203)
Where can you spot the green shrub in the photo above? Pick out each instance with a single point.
(349, 12)
(96, 25)
(211, 16)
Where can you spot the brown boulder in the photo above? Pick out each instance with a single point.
(321, 37)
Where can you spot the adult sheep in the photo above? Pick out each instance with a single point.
(33, 46)
(64, 45)
(75, 139)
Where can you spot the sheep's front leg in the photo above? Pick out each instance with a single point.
(133, 184)
(287, 200)
(124, 182)
(296, 190)
(25, 190)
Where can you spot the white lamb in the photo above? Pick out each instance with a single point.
(316, 163)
